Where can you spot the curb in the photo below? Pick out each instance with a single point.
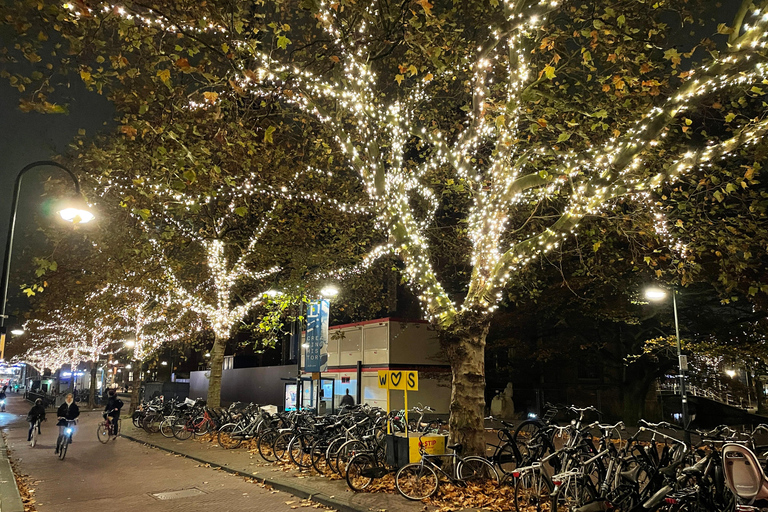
(296, 490)
(10, 498)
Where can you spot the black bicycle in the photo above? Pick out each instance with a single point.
(65, 439)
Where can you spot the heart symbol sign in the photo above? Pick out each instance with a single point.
(395, 378)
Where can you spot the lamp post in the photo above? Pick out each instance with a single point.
(71, 214)
(656, 295)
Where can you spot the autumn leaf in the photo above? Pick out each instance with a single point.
(164, 75)
(210, 97)
(399, 79)
(426, 6)
(183, 64)
(673, 56)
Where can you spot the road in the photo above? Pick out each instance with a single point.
(123, 475)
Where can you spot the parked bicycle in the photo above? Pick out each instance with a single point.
(420, 480)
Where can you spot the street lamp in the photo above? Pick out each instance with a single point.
(72, 213)
(656, 295)
(17, 332)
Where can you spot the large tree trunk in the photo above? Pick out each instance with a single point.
(92, 391)
(465, 348)
(214, 381)
(135, 386)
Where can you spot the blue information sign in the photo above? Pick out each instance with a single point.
(316, 355)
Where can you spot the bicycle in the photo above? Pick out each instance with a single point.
(35, 428)
(65, 439)
(420, 480)
(106, 431)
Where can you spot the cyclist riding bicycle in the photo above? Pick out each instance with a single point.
(68, 411)
(112, 410)
(35, 416)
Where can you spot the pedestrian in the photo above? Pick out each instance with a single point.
(114, 404)
(2, 400)
(347, 400)
(68, 411)
(35, 416)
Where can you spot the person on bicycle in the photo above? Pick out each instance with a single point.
(112, 410)
(68, 411)
(35, 415)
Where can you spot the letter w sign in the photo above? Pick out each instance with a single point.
(407, 380)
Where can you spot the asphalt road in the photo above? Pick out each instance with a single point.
(124, 475)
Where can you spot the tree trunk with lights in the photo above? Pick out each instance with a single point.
(217, 364)
(92, 392)
(465, 348)
(135, 386)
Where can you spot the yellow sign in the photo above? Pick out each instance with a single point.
(407, 380)
(383, 379)
(433, 445)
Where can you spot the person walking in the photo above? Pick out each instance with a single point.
(347, 400)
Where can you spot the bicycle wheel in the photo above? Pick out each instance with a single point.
(280, 446)
(317, 456)
(416, 481)
(265, 445)
(527, 437)
(226, 437)
(63, 444)
(166, 426)
(477, 470)
(299, 450)
(183, 429)
(201, 426)
(151, 423)
(358, 471)
(346, 452)
(136, 418)
(33, 442)
(332, 451)
(532, 492)
(102, 433)
(573, 492)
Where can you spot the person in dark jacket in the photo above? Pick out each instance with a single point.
(2, 400)
(112, 410)
(347, 400)
(68, 411)
(37, 413)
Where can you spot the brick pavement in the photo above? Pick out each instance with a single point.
(333, 493)
(122, 476)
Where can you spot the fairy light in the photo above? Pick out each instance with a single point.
(374, 134)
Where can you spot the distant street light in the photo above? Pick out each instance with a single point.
(17, 332)
(730, 373)
(130, 343)
(77, 212)
(656, 295)
(164, 363)
(329, 291)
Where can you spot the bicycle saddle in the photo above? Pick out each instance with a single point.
(454, 447)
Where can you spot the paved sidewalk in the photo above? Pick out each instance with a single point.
(123, 476)
(332, 493)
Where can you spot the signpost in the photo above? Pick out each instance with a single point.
(316, 355)
(405, 380)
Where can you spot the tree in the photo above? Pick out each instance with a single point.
(570, 109)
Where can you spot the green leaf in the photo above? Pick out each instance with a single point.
(143, 109)
(564, 137)
(549, 71)
(189, 175)
(730, 117)
(283, 42)
(241, 211)
(268, 134)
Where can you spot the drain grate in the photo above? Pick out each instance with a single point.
(173, 495)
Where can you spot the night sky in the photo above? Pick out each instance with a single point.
(26, 138)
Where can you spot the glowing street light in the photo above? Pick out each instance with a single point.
(77, 213)
(17, 332)
(730, 373)
(656, 294)
(130, 343)
(329, 291)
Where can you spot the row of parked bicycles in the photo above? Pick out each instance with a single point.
(581, 466)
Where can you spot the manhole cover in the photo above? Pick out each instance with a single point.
(172, 495)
